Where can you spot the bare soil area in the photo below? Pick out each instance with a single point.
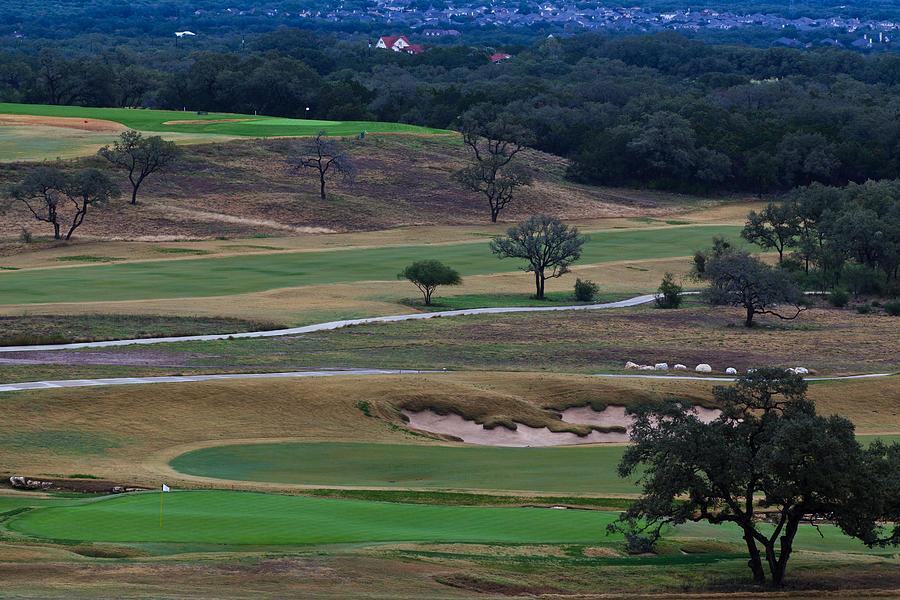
(67, 122)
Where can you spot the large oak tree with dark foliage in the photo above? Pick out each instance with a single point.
(768, 464)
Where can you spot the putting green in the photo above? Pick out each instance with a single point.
(235, 124)
(255, 273)
(218, 517)
(590, 469)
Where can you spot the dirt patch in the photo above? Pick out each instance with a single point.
(486, 586)
(67, 122)
(78, 485)
(204, 121)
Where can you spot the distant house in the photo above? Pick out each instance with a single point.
(500, 57)
(393, 42)
(863, 43)
(789, 42)
(414, 49)
(185, 33)
(440, 32)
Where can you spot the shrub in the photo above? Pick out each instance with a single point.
(25, 236)
(839, 298)
(585, 290)
(864, 309)
(876, 303)
(669, 293)
(892, 308)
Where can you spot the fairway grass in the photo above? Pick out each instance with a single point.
(589, 469)
(248, 125)
(251, 518)
(187, 278)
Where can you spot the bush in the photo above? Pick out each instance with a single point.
(864, 309)
(669, 293)
(585, 290)
(839, 298)
(892, 308)
(25, 236)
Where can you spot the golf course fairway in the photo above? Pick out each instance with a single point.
(223, 517)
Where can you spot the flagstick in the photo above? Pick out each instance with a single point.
(160, 506)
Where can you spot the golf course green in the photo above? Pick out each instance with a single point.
(255, 273)
(234, 124)
(590, 469)
(218, 517)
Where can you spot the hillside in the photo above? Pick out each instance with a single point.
(246, 188)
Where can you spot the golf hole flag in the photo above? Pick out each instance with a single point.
(165, 488)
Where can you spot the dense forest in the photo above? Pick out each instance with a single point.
(655, 110)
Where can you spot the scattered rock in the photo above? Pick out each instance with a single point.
(661, 366)
(799, 371)
(680, 367)
(118, 489)
(731, 371)
(646, 368)
(703, 368)
(631, 365)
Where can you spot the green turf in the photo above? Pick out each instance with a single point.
(250, 518)
(156, 121)
(571, 469)
(255, 273)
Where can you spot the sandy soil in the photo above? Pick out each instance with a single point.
(204, 121)
(473, 433)
(67, 122)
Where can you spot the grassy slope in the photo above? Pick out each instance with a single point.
(155, 120)
(577, 470)
(241, 274)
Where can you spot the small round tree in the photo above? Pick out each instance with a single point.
(428, 274)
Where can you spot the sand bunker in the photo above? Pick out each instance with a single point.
(204, 121)
(66, 122)
(473, 433)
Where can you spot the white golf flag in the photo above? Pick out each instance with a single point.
(166, 488)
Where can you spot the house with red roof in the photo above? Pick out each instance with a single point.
(393, 42)
(500, 57)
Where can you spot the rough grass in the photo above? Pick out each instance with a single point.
(61, 329)
(826, 341)
(245, 188)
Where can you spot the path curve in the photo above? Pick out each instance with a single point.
(636, 301)
(67, 383)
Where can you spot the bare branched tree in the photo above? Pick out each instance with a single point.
(495, 141)
(327, 158)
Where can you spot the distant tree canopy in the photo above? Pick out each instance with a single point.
(427, 275)
(652, 110)
(140, 156)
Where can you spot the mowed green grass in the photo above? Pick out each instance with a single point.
(256, 125)
(221, 517)
(246, 518)
(589, 469)
(254, 273)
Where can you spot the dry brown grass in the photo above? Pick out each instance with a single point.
(244, 187)
(66, 122)
(151, 424)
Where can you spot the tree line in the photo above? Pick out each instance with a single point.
(654, 110)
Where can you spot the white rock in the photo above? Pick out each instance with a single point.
(731, 371)
(631, 365)
(647, 368)
(661, 366)
(680, 367)
(800, 371)
(703, 368)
